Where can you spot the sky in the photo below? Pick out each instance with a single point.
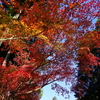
(48, 94)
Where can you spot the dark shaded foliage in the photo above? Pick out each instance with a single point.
(4, 49)
(88, 86)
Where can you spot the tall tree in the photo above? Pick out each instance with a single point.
(39, 46)
(88, 84)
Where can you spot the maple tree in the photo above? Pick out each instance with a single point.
(88, 83)
(38, 43)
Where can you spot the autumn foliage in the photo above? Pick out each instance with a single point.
(39, 45)
(88, 83)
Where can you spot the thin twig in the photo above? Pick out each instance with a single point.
(3, 39)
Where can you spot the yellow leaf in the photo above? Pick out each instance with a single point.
(45, 38)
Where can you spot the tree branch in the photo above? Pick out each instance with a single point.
(3, 39)
(7, 55)
(18, 95)
(6, 59)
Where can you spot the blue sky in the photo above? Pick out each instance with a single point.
(48, 93)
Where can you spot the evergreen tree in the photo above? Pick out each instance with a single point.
(54, 98)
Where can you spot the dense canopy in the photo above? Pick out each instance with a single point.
(38, 44)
